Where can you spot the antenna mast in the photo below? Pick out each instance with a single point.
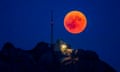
(51, 22)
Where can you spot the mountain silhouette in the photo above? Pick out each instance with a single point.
(43, 58)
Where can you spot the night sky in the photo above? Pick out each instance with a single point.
(27, 22)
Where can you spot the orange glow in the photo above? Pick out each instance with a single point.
(75, 22)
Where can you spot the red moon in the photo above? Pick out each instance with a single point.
(75, 22)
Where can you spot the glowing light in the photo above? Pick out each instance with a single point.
(63, 47)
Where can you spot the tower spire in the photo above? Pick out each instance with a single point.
(51, 23)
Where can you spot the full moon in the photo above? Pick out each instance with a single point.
(75, 22)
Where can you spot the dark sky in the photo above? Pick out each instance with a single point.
(27, 22)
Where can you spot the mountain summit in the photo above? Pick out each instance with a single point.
(42, 58)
